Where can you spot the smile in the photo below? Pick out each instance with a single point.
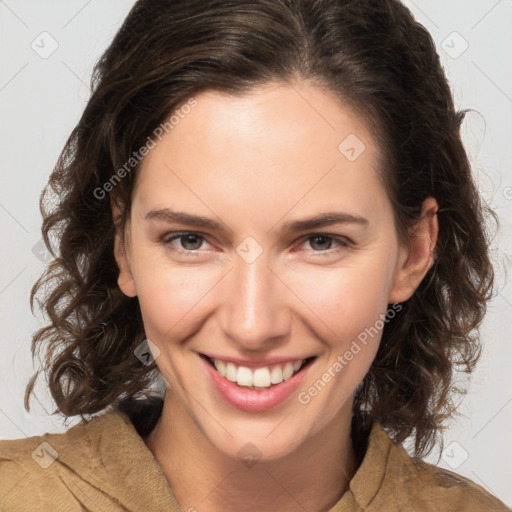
(256, 389)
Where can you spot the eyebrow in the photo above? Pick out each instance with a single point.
(198, 221)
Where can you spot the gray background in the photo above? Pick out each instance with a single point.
(48, 49)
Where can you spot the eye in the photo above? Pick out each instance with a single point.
(323, 243)
(188, 241)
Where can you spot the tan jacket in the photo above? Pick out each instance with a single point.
(105, 466)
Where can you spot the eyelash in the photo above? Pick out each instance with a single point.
(169, 238)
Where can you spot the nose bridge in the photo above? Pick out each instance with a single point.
(255, 309)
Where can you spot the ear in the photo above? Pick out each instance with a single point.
(415, 261)
(121, 252)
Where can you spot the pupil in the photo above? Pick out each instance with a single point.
(190, 239)
(324, 238)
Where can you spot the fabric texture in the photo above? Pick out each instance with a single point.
(103, 465)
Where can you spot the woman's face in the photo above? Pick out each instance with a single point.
(261, 237)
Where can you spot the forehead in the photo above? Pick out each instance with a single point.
(279, 115)
(278, 144)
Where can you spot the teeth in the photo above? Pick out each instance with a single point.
(288, 371)
(230, 372)
(221, 367)
(259, 378)
(244, 376)
(277, 375)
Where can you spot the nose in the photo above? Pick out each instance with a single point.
(255, 315)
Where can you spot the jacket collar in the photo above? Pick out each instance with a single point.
(138, 482)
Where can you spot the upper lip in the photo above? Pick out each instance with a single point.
(256, 363)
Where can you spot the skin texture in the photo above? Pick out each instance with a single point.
(254, 163)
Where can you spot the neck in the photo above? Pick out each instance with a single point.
(313, 477)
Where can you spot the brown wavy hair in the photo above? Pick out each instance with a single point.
(372, 55)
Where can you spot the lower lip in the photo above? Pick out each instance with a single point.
(252, 400)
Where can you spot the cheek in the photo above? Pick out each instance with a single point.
(346, 300)
(351, 302)
(169, 296)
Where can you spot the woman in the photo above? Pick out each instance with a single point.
(266, 204)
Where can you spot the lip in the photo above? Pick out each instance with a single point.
(253, 400)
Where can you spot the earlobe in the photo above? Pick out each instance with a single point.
(125, 279)
(415, 261)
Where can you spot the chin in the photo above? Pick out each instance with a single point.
(255, 439)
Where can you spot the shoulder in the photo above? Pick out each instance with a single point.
(417, 485)
(49, 472)
(451, 490)
(28, 472)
